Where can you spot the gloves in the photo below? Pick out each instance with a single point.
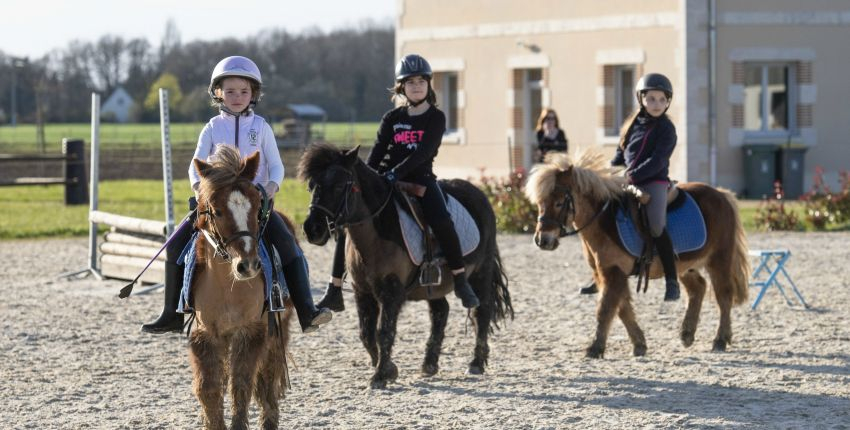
(271, 189)
(389, 175)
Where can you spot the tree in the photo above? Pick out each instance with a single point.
(170, 83)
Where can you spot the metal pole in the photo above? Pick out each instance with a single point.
(95, 178)
(164, 122)
(712, 92)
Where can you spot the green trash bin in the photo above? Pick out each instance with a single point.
(759, 170)
(791, 168)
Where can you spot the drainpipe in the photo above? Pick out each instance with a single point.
(712, 92)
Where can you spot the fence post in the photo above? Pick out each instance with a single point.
(76, 187)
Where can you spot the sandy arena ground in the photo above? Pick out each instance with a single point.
(72, 356)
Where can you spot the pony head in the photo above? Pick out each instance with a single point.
(228, 208)
(329, 173)
(562, 190)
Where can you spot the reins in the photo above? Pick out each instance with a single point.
(337, 218)
(567, 209)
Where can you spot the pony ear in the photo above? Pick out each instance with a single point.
(350, 156)
(251, 164)
(202, 167)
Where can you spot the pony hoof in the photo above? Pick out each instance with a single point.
(430, 369)
(719, 346)
(595, 353)
(640, 351)
(687, 338)
(475, 370)
(378, 384)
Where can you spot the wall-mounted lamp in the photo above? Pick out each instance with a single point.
(530, 46)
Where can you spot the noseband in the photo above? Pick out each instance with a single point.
(568, 208)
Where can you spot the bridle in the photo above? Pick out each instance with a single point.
(220, 243)
(568, 208)
(339, 217)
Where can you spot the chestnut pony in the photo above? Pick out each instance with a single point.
(581, 195)
(349, 195)
(232, 338)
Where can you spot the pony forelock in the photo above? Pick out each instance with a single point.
(227, 163)
(317, 158)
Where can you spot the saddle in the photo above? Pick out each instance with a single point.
(276, 291)
(419, 240)
(685, 225)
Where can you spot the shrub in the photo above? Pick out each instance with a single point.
(514, 213)
(772, 214)
(823, 206)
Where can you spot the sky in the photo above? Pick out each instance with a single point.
(32, 28)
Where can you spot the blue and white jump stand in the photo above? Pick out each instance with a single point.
(772, 264)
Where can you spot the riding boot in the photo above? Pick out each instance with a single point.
(668, 260)
(464, 291)
(169, 320)
(298, 281)
(590, 288)
(332, 299)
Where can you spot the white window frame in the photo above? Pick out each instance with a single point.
(792, 91)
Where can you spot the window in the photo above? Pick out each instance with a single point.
(624, 78)
(446, 87)
(769, 95)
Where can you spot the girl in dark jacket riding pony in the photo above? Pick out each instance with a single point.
(647, 141)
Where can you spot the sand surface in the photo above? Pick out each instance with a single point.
(72, 356)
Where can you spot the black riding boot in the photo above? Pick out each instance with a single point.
(668, 260)
(449, 242)
(298, 282)
(332, 299)
(590, 288)
(169, 320)
(464, 291)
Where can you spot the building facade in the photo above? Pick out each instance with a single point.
(757, 84)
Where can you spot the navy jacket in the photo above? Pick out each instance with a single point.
(649, 144)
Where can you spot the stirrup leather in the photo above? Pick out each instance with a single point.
(278, 292)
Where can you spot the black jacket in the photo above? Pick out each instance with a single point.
(408, 144)
(649, 144)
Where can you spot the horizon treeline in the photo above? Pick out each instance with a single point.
(345, 71)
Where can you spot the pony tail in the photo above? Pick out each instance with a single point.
(740, 262)
(627, 124)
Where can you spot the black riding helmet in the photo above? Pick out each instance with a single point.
(653, 81)
(412, 65)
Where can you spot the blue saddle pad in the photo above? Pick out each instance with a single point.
(685, 225)
(187, 257)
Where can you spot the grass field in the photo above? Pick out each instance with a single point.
(22, 138)
(39, 211)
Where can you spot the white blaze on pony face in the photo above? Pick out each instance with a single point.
(240, 208)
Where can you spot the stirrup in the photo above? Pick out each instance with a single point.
(277, 296)
(430, 274)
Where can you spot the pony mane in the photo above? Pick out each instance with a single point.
(227, 163)
(591, 175)
(317, 158)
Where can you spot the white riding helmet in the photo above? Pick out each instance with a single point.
(235, 66)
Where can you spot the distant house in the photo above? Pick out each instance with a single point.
(298, 130)
(118, 105)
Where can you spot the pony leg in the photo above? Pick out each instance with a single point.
(483, 315)
(205, 357)
(614, 287)
(392, 297)
(439, 310)
(367, 311)
(695, 285)
(245, 349)
(720, 282)
(627, 316)
(267, 388)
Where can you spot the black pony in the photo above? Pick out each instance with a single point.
(347, 194)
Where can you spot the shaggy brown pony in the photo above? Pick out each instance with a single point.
(353, 197)
(576, 195)
(232, 337)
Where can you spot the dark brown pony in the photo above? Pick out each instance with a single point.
(232, 337)
(349, 195)
(580, 195)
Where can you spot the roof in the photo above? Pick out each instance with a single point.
(307, 111)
